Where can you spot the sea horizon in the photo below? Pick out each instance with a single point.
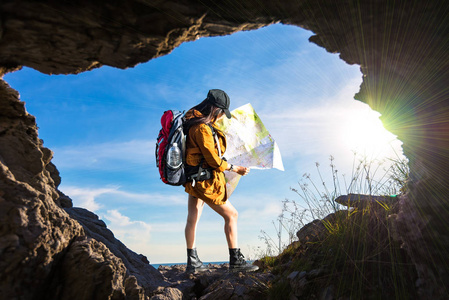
(184, 263)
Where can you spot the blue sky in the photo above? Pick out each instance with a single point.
(102, 126)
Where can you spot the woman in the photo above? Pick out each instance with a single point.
(202, 150)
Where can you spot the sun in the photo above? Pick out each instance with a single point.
(363, 132)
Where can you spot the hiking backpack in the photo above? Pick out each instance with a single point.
(170, 152)
(171, 140)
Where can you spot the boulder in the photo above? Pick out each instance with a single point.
(137, 265)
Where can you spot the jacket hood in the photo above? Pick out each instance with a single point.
(193, 113)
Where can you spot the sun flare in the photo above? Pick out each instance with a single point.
(362, 131)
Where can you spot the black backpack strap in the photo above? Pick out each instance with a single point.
(212, 128)
(215, 135)
(198, 173)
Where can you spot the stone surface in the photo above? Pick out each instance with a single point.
(91, 34)
(217, 283)
(316, 230)
(401, 46)
(90, 271)
(364, 201)
(34, 230)
(136, 264)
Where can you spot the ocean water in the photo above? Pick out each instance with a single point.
(172, 264)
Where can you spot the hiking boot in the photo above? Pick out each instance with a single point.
(194, 264)
(237, 262)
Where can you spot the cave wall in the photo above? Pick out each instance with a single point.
(44, 253)
(401, 47)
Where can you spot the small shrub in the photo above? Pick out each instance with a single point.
(317, 200)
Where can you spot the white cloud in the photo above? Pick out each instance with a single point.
(168, 227)
(105, 156)
(86, 197)
(134, 234)
(89, 197)
(157, 199)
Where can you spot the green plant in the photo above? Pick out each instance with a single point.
(317, 198)
(279, 291)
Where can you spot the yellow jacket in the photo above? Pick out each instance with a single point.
(200, 143)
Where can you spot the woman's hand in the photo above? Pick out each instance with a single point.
(241, 170)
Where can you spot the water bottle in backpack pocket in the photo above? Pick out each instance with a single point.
(170, 148)
(174, 157)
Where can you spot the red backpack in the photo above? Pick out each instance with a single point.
(170, 148)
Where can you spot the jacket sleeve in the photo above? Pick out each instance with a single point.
(206, 143)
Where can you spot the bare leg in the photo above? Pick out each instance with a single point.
(195, 208)
(230, 215)
(237, 261)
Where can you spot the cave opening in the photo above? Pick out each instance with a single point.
(401, 47)
(102, 126)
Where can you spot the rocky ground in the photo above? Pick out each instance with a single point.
(217, 283)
